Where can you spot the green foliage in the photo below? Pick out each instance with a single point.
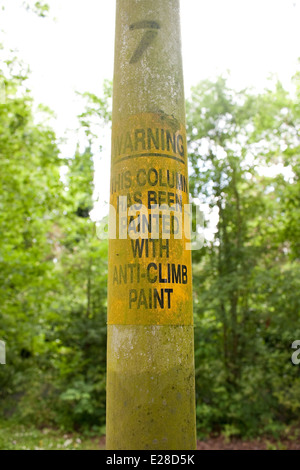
(98, 110)
(53, 274)
(246, 282)
(28, 197)
(53, 269)
(39, 8)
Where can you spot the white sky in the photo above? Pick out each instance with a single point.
(251, 38)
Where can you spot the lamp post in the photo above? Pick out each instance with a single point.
(150, 365)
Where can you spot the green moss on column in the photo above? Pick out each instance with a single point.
(150, 365)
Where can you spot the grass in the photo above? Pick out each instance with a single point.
(18, 437)
(14, 436)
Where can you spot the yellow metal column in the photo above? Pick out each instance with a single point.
(150, 365)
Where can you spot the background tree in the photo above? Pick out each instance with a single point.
(241, 342)
(53, 272)
(244, 161)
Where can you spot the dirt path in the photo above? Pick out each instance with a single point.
(219, 443)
